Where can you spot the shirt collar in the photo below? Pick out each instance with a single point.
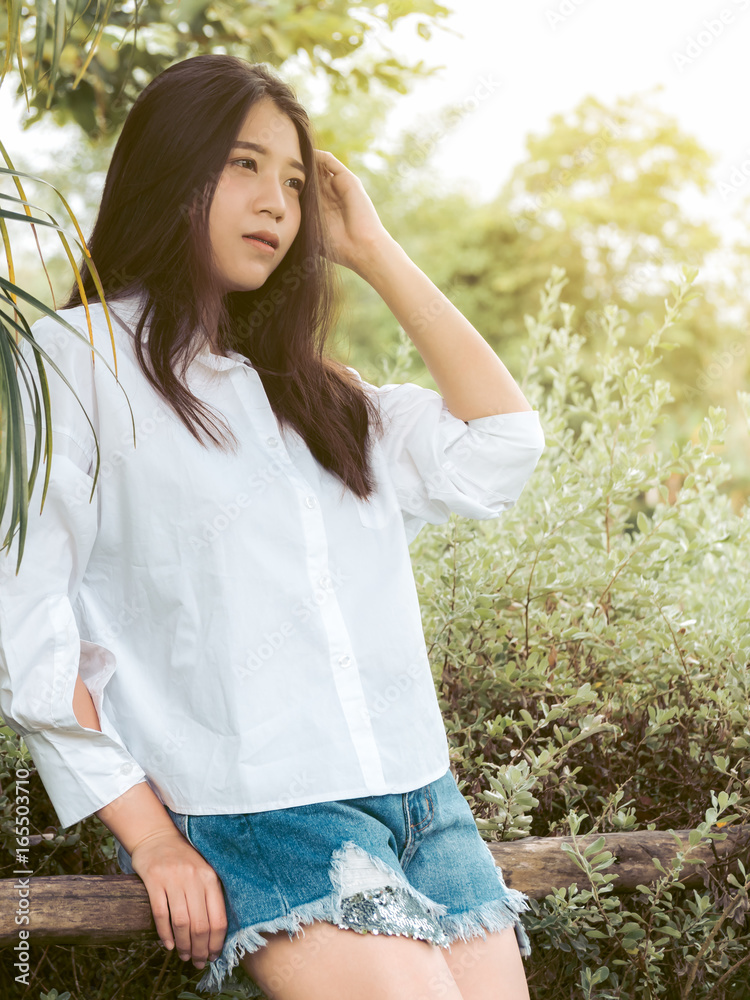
(218, 362)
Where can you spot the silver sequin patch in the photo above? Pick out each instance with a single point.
(390, 910)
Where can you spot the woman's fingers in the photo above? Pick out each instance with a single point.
(198, 927)
(217, 917)
(187, 899)
(180, 921)
(207, 916)
(157, 895)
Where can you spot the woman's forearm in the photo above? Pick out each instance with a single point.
(137, 815)
(469, 375)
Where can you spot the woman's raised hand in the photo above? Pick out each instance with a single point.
(353, 222)
(181, 885)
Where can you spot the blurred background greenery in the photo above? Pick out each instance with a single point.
(599, 192)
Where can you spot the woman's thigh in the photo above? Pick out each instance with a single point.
(488, 968)
(331, 963)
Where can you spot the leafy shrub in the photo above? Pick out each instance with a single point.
(591, 650)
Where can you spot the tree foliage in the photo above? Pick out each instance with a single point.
(100, 69)
(591, 651)
(600, 194)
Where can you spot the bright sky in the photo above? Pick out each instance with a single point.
(544, 56)
(517, 63)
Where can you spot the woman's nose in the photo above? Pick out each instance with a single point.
(269, 196)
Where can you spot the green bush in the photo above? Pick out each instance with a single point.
(590, 648)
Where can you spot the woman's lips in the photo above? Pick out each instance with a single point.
(264, 247)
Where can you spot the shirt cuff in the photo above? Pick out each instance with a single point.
(82, 770)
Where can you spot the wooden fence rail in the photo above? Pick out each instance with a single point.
(99, 909)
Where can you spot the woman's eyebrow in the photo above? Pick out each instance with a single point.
(241, 143)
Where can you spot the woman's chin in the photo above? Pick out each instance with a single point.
(246, 286)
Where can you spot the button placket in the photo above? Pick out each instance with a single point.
(262, 420)
(346, 677)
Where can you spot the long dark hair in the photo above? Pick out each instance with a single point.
(151, 235)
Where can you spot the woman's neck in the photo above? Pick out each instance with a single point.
(209, 324)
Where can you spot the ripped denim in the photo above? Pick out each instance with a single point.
(410, 863)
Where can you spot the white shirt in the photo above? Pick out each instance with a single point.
(251, 638)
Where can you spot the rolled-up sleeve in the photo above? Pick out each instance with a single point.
(440, 464)
(41, 649)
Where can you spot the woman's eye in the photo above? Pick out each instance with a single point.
(247, 159)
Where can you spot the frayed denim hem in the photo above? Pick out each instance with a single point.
(357, 876)
(496, 915)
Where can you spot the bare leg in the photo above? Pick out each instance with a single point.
(490, 969)
(329, 963)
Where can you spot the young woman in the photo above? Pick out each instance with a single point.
(218, 649)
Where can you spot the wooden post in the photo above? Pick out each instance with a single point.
(99, 909)
(537, 865)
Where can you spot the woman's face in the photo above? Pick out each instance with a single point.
(259, 191)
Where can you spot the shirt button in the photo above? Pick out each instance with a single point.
(272, 441)
(310, 501)
(344, 661)
(324, 581)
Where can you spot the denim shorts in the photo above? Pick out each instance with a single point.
(410, 863)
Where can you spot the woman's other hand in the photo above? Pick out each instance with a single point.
(182, 885)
